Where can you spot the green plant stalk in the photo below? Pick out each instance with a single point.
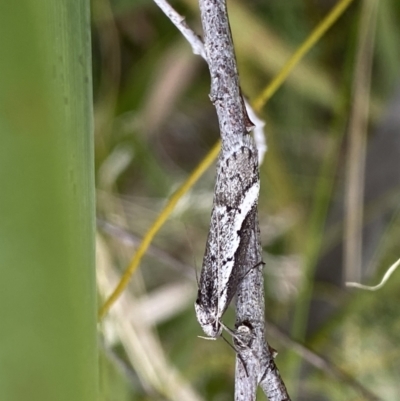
(48, 347)
(322, 198)
(386, 44)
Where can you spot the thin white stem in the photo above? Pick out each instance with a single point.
(179, 21)
(385, 278)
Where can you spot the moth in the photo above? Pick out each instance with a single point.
(234, 206)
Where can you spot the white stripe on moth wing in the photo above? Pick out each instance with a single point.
(231, 241)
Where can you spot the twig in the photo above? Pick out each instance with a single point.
(254, 364)
(198, 48)
(256, 354)
(179, 21)
(211, 156)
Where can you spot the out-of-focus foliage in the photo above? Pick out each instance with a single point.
(154, 123)
(48, 348)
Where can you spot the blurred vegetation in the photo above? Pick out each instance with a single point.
(48, 342)
(154, 123)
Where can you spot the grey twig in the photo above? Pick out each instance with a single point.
(198, 48)
(255, 364)
(255, 352)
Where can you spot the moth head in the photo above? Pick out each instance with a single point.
(207, 319)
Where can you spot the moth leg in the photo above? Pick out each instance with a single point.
(238, 354)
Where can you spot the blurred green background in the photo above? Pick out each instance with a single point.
(48, 343)
(154, 123)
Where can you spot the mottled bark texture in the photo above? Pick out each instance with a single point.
(235, 206)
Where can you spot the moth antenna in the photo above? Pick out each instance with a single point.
(195, 271)
(194, 258)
